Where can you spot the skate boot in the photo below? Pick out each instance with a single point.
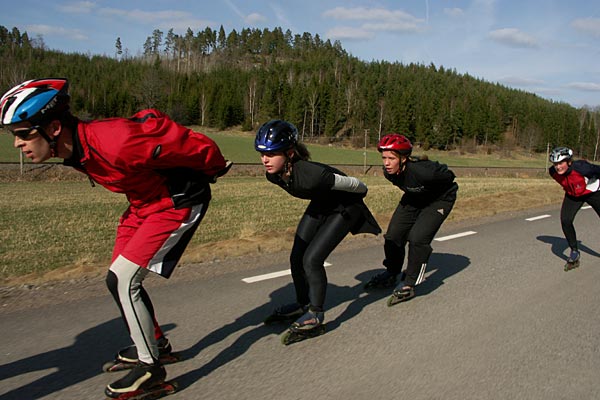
(382, 280)
(572, 261)
(402, 293)
(286, 313)
(144, 380)
(307, 326)
(127, 358)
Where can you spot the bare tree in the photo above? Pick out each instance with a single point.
(381, 104)
(252, 99)
(203, 107)
(313, 102)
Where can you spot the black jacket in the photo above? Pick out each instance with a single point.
(424, 181)
(314, 181)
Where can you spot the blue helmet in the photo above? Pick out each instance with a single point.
(36, 101)
(275, 135)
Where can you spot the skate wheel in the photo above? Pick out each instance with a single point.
(291, 336)
(570, 266)
(395, 299)
(113, 366)
(286, 338)
(116, 366)
(171, 358)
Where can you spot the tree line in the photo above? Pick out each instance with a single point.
(219, 79)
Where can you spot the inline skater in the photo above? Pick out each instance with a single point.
(429, 195)
(163, 168)
(336, 208)
(580, 181)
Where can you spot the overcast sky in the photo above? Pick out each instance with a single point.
(548, 47)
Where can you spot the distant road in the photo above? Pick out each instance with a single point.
(497, 318)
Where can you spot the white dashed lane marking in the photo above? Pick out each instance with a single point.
(538, 217)
(455, 236)
(273, 275)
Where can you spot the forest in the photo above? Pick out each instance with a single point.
(222, 79)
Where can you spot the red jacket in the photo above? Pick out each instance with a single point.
(154, 161)
(580, 179)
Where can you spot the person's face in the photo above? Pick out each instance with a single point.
(391, 161)
(274, 162)
(30, 142)
(561, 167)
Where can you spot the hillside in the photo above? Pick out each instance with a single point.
(226, 79)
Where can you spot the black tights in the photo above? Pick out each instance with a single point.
(316, 237)
(569, 209)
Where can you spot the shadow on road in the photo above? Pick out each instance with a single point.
(254, 318)
(559, 246)
(445, 265)
(70, 365)
(83, 360)
(440, 267)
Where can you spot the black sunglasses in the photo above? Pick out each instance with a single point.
(24, 133)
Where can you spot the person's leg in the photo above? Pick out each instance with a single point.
(329, 234)
(307, 228)
(396, 236)
(569, 209)
(124, 280)
(426, 226)
(154, 243)
(594, 201)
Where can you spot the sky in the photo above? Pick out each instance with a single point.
(547, 47)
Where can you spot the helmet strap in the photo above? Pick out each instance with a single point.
(51, 141)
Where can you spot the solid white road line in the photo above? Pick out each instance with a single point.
(538, 217)
(455, 236)
(272, 275)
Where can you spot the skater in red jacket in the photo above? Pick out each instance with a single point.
(581, 182)
(163, 168)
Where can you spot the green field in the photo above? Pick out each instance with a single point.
(52, 223)
(239, 147)
(65, 224)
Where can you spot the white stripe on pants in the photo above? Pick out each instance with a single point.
(141, 327)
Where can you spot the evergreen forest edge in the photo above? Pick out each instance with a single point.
(222, 80)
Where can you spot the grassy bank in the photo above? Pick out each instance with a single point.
(57, 226)
(51, 221)
(239, 147)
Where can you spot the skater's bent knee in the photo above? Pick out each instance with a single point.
(111, 281)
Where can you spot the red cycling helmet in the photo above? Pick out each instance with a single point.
(395, 142)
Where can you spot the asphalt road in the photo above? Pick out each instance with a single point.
(497, 318)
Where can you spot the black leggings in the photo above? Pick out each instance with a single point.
(570, 207)
(316, 237)
(418, 227)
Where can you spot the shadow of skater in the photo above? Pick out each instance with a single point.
(336, 295)
(361, 298)
(440, 267)
(559, 246)
(70, 365)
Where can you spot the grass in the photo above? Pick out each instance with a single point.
(239, 147)
(66, 225)
(51, 223)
